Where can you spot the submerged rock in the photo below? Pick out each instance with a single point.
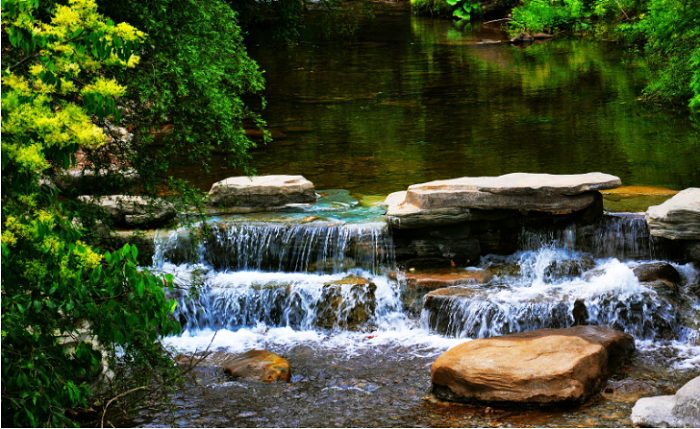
(522, 38)
(539, 368)
(346, 303)
(259, 365)
(677, 218)
(261, 191)
(134, 210)
(494, 198)
(679, 410)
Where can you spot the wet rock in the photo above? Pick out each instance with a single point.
(522, 38)
(569, 268)
(134, 211)
(492, 198)
(655, 271)
(435, 279)
(539, 368)
(417, 284)
(692, 250)
(261, 191)
(580, 313)
(679, 410)
(347, 303)
(629, 390)
(677, 218)
(435, 247)
(488, 42)
(258, 365)
(542, 36)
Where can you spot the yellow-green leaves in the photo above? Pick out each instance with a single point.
(53, 83)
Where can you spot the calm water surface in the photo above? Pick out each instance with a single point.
(415, 99)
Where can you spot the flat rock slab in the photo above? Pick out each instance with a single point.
(677, 218)
(261, 191)
(679, 410)
(258, 365)
(435, 279)
(490, 198)
(545, 367)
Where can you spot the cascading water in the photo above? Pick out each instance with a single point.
(553, 288)
(327, 277)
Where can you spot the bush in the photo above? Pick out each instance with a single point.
(67, 308)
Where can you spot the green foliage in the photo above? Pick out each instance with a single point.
(194, 74)
(461, 10)
(671, 29)
(465, 9)
(550, 15)
(66, 307)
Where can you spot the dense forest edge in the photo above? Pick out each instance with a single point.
(80, 320)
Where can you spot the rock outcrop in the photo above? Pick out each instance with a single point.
(492, 198)
(88, 181)
(538, 368)
(677, 218)
(679, 410)
(261, 191)
(258, 365)
(134, 211)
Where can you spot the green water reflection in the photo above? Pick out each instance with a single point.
(416, 99)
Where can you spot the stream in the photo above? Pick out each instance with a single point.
(413, 100)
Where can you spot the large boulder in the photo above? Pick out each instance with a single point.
(134, 211)
(677, 218)
(538, 368)
(261, 191)
(258, 365)
(679, 410)
(492, 198)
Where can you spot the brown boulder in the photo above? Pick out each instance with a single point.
(435, 279)
(259, 365)
(538, 368)
(654, 271)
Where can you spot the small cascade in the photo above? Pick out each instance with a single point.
(301, 301)
(283, 247)
(553, 288)
(624, 236)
